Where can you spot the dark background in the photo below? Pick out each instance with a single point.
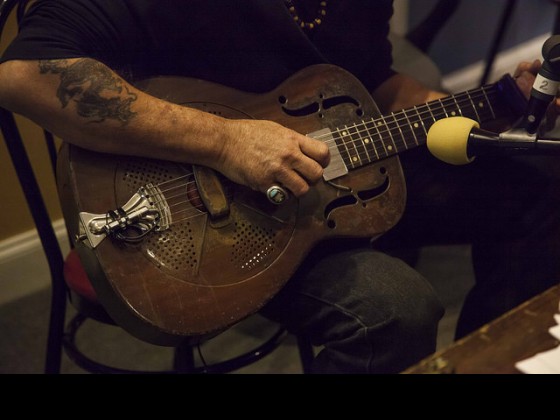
(468, 35)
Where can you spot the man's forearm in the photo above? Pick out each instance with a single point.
(85, 103)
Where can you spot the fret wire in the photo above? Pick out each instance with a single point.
(430, 109)
(372, 139)
(444, 110)
(376, 125)
(353, 142)
(419, 125)
(489, 103)
(400, 130)
(468, 98)
(411, 128)
(419, 128)
(458, 107)
(362, 141)
(349, 157)
(473, 105)
(418, 112)
(387, 149)
(383, 151)
(480, 109)
(421, 120)
(366, 141)
(470, 112)
(356, 137)
(462, 110)
(390, 135)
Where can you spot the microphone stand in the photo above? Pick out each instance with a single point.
(516, 140)
(545, 87)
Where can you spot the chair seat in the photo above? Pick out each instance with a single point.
(76, 277)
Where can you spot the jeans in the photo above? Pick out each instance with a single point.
(372, 313)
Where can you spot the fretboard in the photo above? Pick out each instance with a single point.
(378, 138)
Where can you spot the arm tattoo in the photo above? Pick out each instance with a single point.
(96, 91)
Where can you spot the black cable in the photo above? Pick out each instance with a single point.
(556, 27)
(497, 42)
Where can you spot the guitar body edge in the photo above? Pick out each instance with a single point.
(205, 274)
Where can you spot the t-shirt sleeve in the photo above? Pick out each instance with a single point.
(53, 30)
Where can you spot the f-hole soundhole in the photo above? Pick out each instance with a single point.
(362, 196)
(312, 108)
(323, 104)
(339, 100)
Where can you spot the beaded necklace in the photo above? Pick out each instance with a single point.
(312, 24)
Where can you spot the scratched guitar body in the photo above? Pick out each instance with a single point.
(205, 272)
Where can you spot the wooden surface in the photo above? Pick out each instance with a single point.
(497, 346)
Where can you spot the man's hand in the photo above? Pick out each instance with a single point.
(84, 102)
(260, 154)
(525, 75)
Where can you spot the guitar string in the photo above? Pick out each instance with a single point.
(197, 211)
(468, 97)
(385, 127)
(178, 209)
(382, 126)
(390, 124)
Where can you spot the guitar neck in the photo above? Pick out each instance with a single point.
(379, 138)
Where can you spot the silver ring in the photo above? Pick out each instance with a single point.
(276, 194)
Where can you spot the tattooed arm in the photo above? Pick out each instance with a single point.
(85, 83)
(84, 102)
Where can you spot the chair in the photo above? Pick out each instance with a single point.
(423, 34)
(70, 284)
(410, 51)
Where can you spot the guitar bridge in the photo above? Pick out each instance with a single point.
(145, 211)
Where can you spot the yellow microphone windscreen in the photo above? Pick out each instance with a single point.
(447, 139)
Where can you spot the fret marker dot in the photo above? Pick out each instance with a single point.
(480, 105)
(379, 123)
(354, 159)
(366, 141)
(453, 113)
(415, 125)
(344, 133)
(389, 147)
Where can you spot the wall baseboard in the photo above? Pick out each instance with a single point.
(23, 265)
(24, 243)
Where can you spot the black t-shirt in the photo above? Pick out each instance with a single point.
(251, 45)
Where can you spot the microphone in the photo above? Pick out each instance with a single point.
(545, 85)
(457, 141)
(448, 140)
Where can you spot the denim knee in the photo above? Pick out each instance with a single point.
(382, 322)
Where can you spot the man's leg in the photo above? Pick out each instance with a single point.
(507, 208)
(371, 313)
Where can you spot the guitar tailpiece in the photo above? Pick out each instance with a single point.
(145, 211)
(133, 239)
